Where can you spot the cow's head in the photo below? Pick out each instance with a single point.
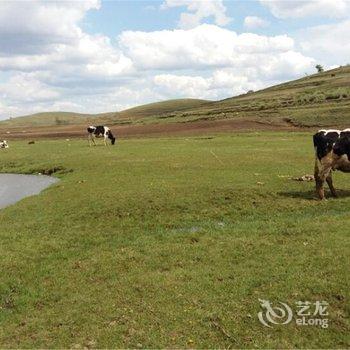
(113, 140)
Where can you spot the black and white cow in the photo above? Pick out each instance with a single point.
(4, 144)
(100, 131)
(332, 152)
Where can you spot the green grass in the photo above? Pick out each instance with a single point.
(170, 243)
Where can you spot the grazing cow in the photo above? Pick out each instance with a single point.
(4, 144)
(100, 131)
(332, 152)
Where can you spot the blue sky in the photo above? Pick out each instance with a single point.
(116, 16)
(95, 56)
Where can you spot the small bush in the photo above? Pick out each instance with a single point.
(332, 96)
(337, 94)
(319, 68)
(318, 96)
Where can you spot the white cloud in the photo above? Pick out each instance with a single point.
(37, 26)
(222, 82)
(328, 43)
(183, 86)
(7, 111)
(25, 87)
(46, 36)
(308, 8)
(198, 11)
(200, 47)
(229, 78)
(260, 72)
(252, 22)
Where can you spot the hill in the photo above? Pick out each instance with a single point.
(124, 117)
(49, 119)
(321, 99)
(160, 108)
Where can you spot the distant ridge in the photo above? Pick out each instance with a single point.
(72, 118)
(53, 118)
(321, 99)
(169, 106)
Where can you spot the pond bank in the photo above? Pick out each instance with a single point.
(14, 187)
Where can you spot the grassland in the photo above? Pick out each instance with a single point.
(170, 242)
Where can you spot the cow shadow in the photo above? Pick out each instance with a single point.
(311, 195)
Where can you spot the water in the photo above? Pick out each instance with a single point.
(14, 187)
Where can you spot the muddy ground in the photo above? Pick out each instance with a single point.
(150, 130)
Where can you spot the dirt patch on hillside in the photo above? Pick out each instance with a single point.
(151, 130)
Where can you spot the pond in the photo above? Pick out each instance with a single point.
(14, 187)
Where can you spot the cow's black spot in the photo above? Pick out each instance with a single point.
(111, 137)
(342, 146)
(323, 142)
(99, 130)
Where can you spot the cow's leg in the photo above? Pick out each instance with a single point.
(319, 179)
(323, 169)
(319, 187)
(330, 184)
(322, 177)
(104, 140)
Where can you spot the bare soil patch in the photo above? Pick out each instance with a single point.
(148, 130)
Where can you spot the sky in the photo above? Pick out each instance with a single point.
(99, 56)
